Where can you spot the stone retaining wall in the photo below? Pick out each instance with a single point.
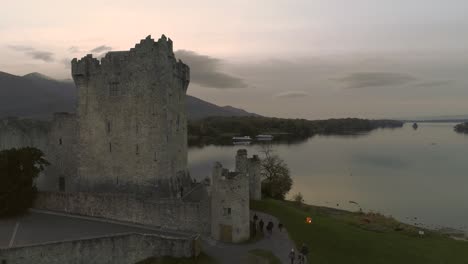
(125, 248)
(170, 214)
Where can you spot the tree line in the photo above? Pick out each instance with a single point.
(462, 128)
(220, 130)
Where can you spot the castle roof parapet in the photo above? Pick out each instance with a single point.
(161, 50)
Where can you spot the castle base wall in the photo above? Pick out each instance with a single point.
(118, 249)
(170, 214)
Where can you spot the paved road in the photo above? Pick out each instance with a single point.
(279, 243)
(41, 227)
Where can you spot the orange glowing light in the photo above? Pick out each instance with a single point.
(309, 220)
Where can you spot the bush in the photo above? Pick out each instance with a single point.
(298, 198)
(18, 170)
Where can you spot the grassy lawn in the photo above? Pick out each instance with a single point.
(344, 237)
(260, 256)
(202, 259)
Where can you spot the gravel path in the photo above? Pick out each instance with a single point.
(279, 244)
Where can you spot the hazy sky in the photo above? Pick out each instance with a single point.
(293, 58)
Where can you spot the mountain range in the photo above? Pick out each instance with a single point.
(38, 96)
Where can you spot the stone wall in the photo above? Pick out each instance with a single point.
(17, 133)
(126, 248)
(230, 212)
(255, 177)
(132, 119)
(252, 168)
(171, 214)
(61, 152)
(56, 138)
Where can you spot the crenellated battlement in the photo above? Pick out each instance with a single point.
(84, 67)
(148, 53)
(162, 45)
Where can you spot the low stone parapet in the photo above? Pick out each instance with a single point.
(116, 249)
(169, 214)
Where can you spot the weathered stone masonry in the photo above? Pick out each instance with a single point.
(230, 211)
(251, 167)
(172, 214)
(132, 120)
(117, 249)
(56, 138)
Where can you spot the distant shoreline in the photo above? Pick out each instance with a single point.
(461, 128)
(221, 130)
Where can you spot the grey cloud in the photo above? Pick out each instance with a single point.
(100, 49)
(292, 94)
(42, 55)
(375, 79)
(20, 48)
(74, 49)
(436, 83)
(33, 53)
(205, 71)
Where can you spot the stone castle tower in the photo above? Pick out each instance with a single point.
(131, 119)
(230, 212)
(251, 167)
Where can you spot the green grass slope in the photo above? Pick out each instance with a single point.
(344, 237)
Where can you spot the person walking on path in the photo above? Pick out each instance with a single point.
(254, 228)
(280, 227)
(270, 227)
(303, 253)
(292, 255)
(260, 225)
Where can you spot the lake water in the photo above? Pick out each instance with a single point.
(416, 176)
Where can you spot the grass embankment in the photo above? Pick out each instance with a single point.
(201, 259)
(337, 236)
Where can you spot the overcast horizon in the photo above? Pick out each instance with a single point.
(299, 59)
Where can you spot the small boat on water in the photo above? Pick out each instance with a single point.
(244, 143)
(264, 137)
(242, 139)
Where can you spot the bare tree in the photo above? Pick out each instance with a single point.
(277, 179)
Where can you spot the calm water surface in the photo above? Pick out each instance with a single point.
(416, 176)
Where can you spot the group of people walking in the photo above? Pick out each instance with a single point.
(301, 255)
(269, 227)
